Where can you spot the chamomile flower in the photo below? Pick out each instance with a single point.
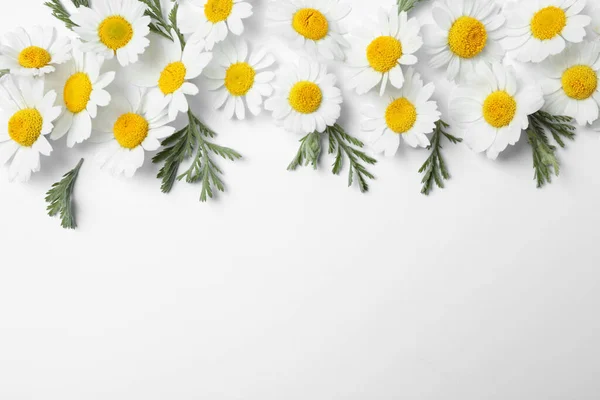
(81, 89)
(593, 10)
(307, 99)
(33, 53)
(538, 29)
(114, 27)
(26, 116)
(410, 115)
(128, 129)
(493, 110)
(212, 20)
(466, 33)
(313, 25)
(239, 79)
(572, 85)
(167, 71)
(381, 52)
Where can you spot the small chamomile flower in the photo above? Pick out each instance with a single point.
(81, 89)
(410, 114)
(26, 116)
(212, 20)
(538, 29)
(114, 27)
(167, 70)
(465, 34)
(572, 86)
(128, 129)
(313, 25)
(492, 111)
(239, 78)
(306, 99)
(33, 53)
(382, 50)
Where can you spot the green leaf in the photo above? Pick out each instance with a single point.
(434, 168)
(60, 12)
(406, 5)
(159, 24)
(59, 198)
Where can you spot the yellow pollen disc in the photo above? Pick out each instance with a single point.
(305, 97)
(310, 23)
(548, 23)
(401, 115)
(172, 77)
(467, 37)
(218, 10)
(115, 32)
(499, 109)
(34, 57)
(130, 130)
(580, 82)
(77, 92)
(383, 53)
(239, 78)
(25, 126)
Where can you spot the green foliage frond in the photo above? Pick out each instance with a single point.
(435, 168)
(406, 5)
(159, 24)
(59, 198)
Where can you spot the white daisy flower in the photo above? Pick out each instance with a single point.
(492, 111)
(390, 43)
(238, 78)
(212, 20)
(410, 115)
(313, 25)
(114, 27)
(572, 86)
(81, 88)
(167, 70)
(129, 129)
(593, 10)
(538, 29)
(466, 33)
(307, 99)
(26, 116)
(33, 53)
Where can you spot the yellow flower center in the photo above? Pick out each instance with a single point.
(467, 37)
(77, 92)
(548, 23)
(239, 78)
(499, 109)
(580, 82)
(218, 10)
(25, 126)
(115, 32)
(172, 77)
(305, 97)
(401, 115)
(130, 130)
(34, 57)
(383, 53)
(310, 23)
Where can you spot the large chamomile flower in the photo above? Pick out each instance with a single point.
(493, 110)
(114, 27)
(212, 20)
(391, 43)
(26, 116)
(307, 99)
(572, 85)
(128, 129)
(239, 79)
(33, 53)
(313, 25)
(466, 33)
(410, 115)
(80, 86)
(538, 29)
(167, 70)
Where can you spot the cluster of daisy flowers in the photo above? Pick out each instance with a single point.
(129, 69)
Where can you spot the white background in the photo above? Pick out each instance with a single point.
(292, 286)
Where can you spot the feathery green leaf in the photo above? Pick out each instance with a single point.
(434, 168)
(59, 198)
